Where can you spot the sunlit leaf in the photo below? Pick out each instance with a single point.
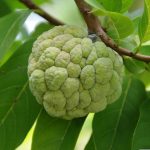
(9, 28)
(144, 77)
(91, 144)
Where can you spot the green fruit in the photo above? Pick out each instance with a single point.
(72, 76)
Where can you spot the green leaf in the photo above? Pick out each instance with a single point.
(112, 30)
(13, 48)
(85, 133)
(15, 4)
(111, 5)
(126, 4)
(40, 2)
(91, 144)
(148, 94)
(94, 3)
(144, 25)
(68, 15)
(130, 43)
(16, 102)
(4, 8)
(40, 29)
(9, 28)
(136, 21)
(123, 24)
(141, 137)
(113, 128)
(145, 49)
(134, 66)
(24, 35)
(144, 77)
(56, 134)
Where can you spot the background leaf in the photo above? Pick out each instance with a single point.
(144, 25)
(130, 43)
(123, 24)
(15, 4)
(40, 2)
(18, 108)
(126, 5)
(112, 30)
(94, 3)
(113, 128)
(141, 138)
(133, 65)
(9, 28)
(144, 77)
(56, 134)
(68, 15)
(145, 49)
(40, 29)
(4, 8)
(111, 5)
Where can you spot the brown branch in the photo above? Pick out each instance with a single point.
(95, 26)
(40, 12)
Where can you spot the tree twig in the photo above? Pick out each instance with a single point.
(41, 12)
(94, 26)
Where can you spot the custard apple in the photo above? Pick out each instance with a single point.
(70, 75)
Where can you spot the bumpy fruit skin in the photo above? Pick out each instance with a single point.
(70, 75)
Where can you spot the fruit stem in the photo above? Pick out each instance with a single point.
(94, 25)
